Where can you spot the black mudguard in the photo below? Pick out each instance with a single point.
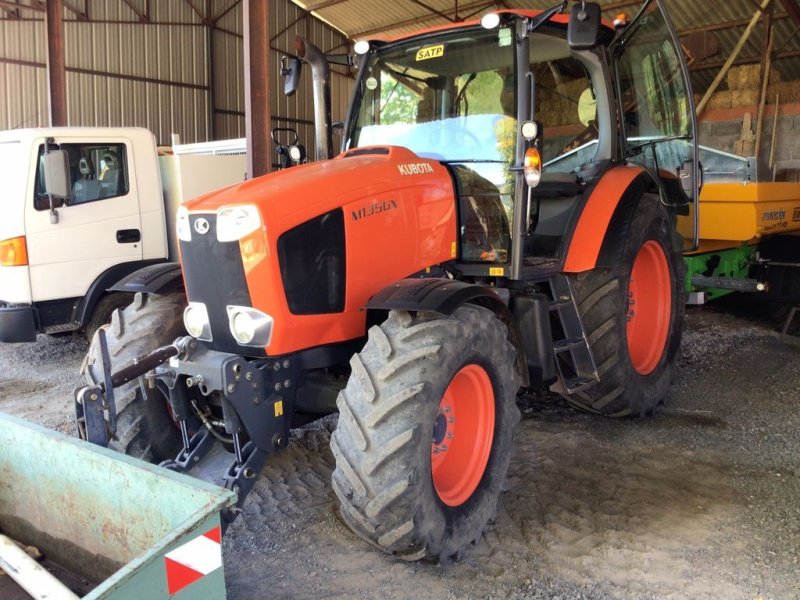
(163, 278)
(444, 296)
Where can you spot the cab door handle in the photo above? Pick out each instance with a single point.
(128, 236)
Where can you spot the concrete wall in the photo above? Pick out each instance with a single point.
(722, 129)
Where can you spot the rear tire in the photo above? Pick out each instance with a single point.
(145, 428)
(410, 480)
(635, 344)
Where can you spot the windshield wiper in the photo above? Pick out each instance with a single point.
(634, 149)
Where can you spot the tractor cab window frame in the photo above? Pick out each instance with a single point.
(99, 171)
(450, 98)
(572, 103)
(659, 124)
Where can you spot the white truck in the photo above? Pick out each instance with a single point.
(59, 255)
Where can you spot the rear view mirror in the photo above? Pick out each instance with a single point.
(56, 174)
(290, 69)
(583, 31)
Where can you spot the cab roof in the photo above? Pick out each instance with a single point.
(559, 19)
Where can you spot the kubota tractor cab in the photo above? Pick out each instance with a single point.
(504, 212)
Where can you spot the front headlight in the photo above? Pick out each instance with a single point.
(250, 327)
(195, 319)
(235, 222)
(182, 227)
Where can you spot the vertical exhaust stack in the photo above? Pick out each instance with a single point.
(322, 96)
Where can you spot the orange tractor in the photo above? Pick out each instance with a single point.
(503, 213)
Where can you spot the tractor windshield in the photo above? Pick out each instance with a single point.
(450, 98)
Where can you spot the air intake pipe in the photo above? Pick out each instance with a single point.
(321, 72)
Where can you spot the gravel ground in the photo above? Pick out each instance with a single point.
(702, 501)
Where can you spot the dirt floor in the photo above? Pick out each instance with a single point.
(702, 501)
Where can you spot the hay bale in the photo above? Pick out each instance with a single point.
(744, 77)
(789, 92)
(748, 98)
(721, 100)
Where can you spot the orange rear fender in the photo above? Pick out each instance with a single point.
(590, 231)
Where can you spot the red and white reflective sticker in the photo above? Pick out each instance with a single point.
(194, 560)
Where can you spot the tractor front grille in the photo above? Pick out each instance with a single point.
(214, 275)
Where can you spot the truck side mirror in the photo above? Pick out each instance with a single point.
(57, 181)
(290, 69)
(583, 31)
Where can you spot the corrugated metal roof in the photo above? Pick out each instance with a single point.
(728, 20)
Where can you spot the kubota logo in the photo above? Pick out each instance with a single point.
(201, 226)
(373, 209)
(415, 168)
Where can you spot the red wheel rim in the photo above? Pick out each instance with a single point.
(649, 307)
(462, 435)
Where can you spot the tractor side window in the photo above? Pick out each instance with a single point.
(566, 106)
(656, 106)
(97, 171)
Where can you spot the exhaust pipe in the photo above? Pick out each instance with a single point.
(321, 71)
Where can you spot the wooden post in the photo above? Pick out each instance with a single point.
(738, 48)
(56, 71)
(766, 66)
(774, 136)
(256, 86)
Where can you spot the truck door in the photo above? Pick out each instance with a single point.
(98, 227)
(659, 125)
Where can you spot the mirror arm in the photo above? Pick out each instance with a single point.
(53, 211)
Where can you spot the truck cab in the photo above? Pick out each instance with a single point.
(60, 255)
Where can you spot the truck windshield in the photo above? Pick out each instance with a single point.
(450, 98)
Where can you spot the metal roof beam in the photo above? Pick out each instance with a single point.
(452, 19)
(82, 16)
(327, 4)
(727, 25)
(203, 18)
(793, 9)
(413, 21)
(16, 6)
(748, 60)
(11, 9)
(143, 17)
(225, 11)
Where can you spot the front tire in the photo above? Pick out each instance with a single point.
(633, 314)
(425, 432)
(145, 428)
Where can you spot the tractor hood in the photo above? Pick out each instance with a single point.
(292, 196)
(332, 234)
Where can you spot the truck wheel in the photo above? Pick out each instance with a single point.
(103, 310)
(425, 431)
(633, 315)
(144, 425)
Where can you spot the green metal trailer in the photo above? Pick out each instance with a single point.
(130, 529)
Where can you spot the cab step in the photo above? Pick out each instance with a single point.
(574, 358)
